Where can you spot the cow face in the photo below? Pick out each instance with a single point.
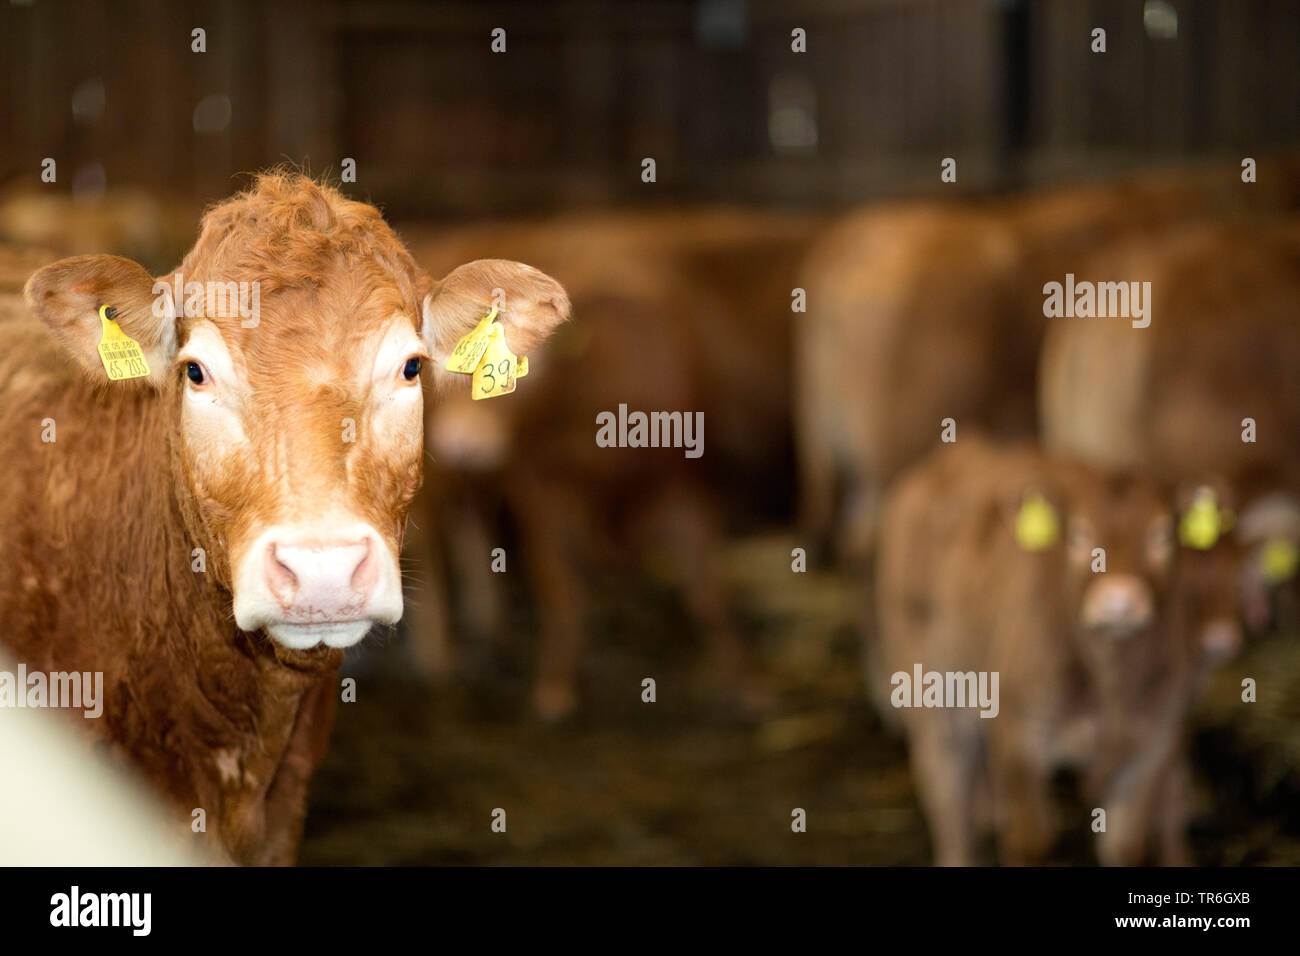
(1115, 539)
(297, 438)
(1120, 549)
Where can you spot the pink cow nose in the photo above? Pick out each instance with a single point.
(315, 581)
(1121, 604)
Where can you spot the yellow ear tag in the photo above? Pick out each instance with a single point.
(1037, 526)
(1278, 560)
(521, 369)
(498, 370)
(122, 356)
(465, 357)
(1202, 524)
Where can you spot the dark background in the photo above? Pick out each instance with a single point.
(710, 88)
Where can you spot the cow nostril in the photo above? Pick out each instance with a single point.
(367, 570)
(281, 578)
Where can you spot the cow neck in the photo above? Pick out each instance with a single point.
(1142, 689)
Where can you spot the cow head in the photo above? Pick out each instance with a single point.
(1115, 537)
(288, 351)
(1126, 523)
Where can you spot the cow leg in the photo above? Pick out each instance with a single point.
(944, 765)
(427, 616)
(1023, 808)
(1127, 829)
(548, 524)
(861, 518)
(688, 519)
(1156, 806)
(1175, 849)
(814, 444)
(470, 545)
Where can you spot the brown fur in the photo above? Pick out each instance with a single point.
(1171, 398)
(100, 525)
(577, 507)
(920, 312)
(956, 593)
(1221, 347)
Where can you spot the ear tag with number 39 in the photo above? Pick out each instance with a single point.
(497, 372)
(122, 356)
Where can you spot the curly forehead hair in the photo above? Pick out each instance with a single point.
(288, 231)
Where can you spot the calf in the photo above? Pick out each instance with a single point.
(210, 535)
(987, 565)
(1213, 384)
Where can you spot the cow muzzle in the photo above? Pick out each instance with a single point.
(1221, 639)
(1118, 605)
(317, 584)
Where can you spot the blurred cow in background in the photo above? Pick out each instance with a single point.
(1213, 384)
(989, 566)
(153, 228)
(923, 312)
(685, 313)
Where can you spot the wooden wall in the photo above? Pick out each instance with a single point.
(437, 123)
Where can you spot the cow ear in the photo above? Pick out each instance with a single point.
(1033, 513)
(68, 295)
(1190, 490)
(1205, 509)
(529, 303)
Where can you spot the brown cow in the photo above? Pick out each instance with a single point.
(573, 505)
(729, 274)
(141, 224)
(211, 535)
(17, 263)
(921, 312)
(685, 310)
(1174, 398)
(987, 566)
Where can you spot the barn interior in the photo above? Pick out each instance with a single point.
(683, 167)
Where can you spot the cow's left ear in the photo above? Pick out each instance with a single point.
(68, 295)
(529, 303)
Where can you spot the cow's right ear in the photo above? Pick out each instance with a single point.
(67, 296)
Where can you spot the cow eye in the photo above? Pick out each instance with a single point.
(194, 372)
(1080, 538)
(1160, 541)
(412, 368)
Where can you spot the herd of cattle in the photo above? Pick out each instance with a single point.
(1080, 514)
